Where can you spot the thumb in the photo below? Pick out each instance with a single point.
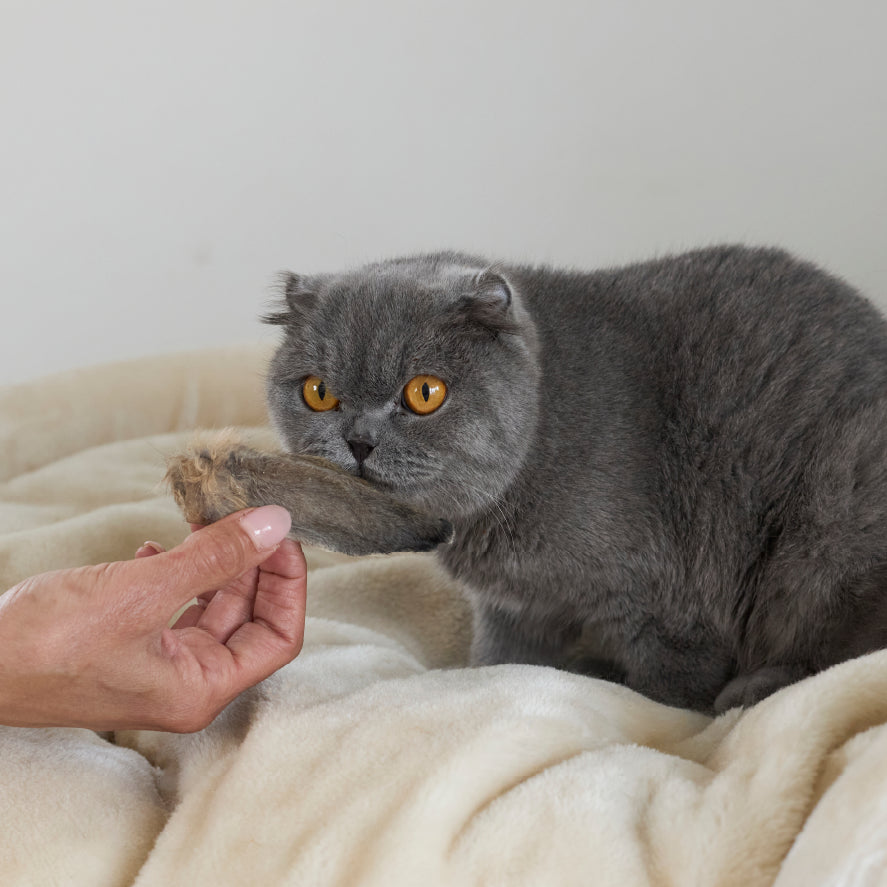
(222, 551)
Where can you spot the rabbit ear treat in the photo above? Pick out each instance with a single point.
(330, 508)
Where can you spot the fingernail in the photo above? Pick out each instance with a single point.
(148, 548)
(267, 525)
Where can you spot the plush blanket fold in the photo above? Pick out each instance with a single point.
(377, 757)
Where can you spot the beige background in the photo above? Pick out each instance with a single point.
(160, 161)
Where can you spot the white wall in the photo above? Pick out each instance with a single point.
(160, 161)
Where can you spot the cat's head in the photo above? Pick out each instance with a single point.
(418, 374)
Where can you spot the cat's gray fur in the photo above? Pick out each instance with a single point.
(672, 474)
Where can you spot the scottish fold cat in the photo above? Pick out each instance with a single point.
(672, 474)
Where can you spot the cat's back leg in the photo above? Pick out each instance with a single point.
(859, 626)
(821, 595)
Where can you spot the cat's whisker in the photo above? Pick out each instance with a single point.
(496, 502)
(498, 513)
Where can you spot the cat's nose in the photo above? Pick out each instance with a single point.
(361, 448)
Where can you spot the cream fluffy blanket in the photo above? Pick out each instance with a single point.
(376, 757)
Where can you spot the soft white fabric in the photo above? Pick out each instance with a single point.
(375, 758)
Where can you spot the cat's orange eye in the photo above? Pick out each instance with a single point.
(424, 394)
(317, 395)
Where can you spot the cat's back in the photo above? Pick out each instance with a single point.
(710, 334)
(690, 395)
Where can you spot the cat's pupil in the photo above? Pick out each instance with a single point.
(426, 391)
(321, 390)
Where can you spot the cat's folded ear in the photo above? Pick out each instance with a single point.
(299, 299)
(489, 303)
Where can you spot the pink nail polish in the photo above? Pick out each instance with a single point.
(266, 525)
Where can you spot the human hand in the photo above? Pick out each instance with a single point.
(90, 646)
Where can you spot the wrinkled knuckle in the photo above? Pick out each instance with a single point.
(290, 649)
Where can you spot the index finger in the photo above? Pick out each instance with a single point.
(209, 559)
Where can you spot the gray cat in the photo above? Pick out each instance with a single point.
(672, 475)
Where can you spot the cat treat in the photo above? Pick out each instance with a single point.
(330, 508)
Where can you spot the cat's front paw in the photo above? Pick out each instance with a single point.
(204, 482)
(329, 507)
